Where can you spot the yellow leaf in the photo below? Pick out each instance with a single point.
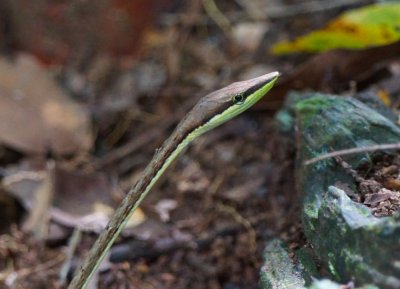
(373, 25)
(384, 97)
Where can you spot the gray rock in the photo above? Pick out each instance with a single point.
(345, 236)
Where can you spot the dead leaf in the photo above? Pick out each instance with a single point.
(243, 192)
(36, 116)
(330, 71)
(381, 196)
(384, 97)
(137, 218)
(79, 198)
(164, 208)
(392, 183)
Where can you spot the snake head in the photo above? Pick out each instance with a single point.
(222, 105)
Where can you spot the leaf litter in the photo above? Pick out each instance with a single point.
(211, 209)
(386, 200)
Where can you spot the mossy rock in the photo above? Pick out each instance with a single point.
(280, 272)
(346, 237)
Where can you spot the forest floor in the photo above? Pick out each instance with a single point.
(206, 224)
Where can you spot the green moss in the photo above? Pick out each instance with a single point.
(307, 259)
(314, 104)
(308, 108)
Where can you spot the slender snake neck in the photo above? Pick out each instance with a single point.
(210, 112)
(160, 162)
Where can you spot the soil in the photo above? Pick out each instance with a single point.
(378, 184)
(385, 199)
(238, 223)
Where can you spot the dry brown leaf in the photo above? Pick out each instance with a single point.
(79, 199)
(383, 195)
(36, 116)
(331, 71)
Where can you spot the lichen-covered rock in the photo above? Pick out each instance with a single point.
(278, 271)
(281, 272)
(346, 237)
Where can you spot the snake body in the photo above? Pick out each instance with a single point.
(211, 111)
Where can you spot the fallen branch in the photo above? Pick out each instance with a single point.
(150, 250)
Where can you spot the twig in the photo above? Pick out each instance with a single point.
(141, 140)
(243, 221)
(121, 127)
(131, 146)
(216, 15)
(72, 244)
(38, 219)
(392, 146)
(349, 170)
(152, 250)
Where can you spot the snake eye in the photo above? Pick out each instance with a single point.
(238, 98)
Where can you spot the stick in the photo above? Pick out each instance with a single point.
(381, 147)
